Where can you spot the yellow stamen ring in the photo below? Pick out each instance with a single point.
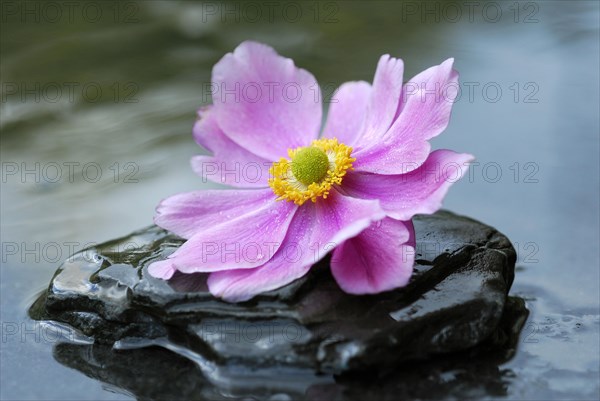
(311, 171)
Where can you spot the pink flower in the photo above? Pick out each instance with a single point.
(355, 189)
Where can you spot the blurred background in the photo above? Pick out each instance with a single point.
(98, 99)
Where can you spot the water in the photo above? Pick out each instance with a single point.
(138, 71)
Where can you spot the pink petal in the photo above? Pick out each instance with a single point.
(189, 213)
(347, 112)
(420, 191)
(315, 230)
(230, 163)
(325, 224)
(378, 259)
(264, 102)
(385, 97)
(162, 269)
(426, 104)
(243, 240)
(243, 284)
(363, 113)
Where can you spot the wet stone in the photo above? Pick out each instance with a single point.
(454, 302)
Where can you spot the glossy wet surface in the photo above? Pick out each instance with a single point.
(537, 145)
(455, 301)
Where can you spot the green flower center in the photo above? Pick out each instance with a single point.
(310, 165)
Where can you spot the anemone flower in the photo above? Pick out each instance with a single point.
(351, 188)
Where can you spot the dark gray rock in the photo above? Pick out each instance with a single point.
(155, 373)
(454, 302)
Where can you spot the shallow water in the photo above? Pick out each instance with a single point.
(96, 116)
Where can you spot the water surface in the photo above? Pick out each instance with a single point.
(139, 70)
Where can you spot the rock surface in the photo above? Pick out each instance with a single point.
(455, 301)
(155, 373)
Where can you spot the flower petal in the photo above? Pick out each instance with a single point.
(360, 114)
(230, 163)
(347, 112)
(420, 191)
(426, 105)
(315, 230)
(162, 269)
(385, 97)
(241, 242)
(378, 259)
(264, 102)
(189, 213)
(243, 284)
